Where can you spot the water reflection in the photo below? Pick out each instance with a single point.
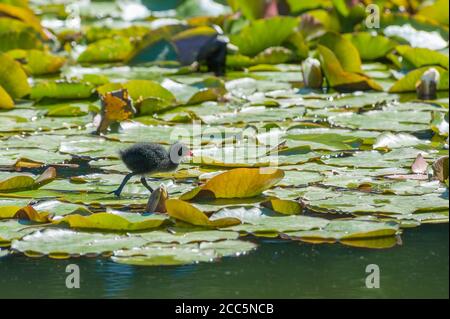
(278, 269)
(116, 277)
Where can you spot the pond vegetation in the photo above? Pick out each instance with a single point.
(320, 128)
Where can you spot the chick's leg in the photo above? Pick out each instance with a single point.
(125, 180)
(144, 182)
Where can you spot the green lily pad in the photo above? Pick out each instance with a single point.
(398, 187)
(354, 100)
(69, 109)
(281, 224)
(390, 141)
(245, 215)
(98, 32)
(144, 89)
(189, 237)
(113, 222)
(273, 55)
(348, 162)
(37, 157)
(419, 57)
(437, 11)
(56, 208)
(371, 47)
(402, 157)
(15, 34)
(328, 139)
(38, 62)
(157, 255)
(349, 229)
(388, 119)
(250, 9)
(254, 114)
(344, 50)
(361, 203)
(409, 81)
(299, 178)
(61, 90)
(63, 243)
(107, 50)
(13, 229)
(252, 39)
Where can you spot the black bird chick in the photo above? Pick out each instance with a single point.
(148, 158)
(214, 54)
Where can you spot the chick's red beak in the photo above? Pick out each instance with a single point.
(190, 154)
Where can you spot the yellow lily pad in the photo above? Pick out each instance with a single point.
(25, 213)
(8, 211)
(25, 182)
(37, 62)
(286, 207)
(113, 222)
(6, 102)
(29, 213)
(237, 183)
(13, 78)
(185, 212)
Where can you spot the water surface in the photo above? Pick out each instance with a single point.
(278, 269)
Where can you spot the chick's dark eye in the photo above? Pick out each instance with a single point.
(180, 152)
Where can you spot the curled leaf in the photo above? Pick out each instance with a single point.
(440, 168)
(157, 201)
(344, 50)
(29, 213)
(341, 79)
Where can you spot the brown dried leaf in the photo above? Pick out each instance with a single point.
(116, 107)
(157, 201)
(440, 168)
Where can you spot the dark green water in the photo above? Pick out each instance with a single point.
(278, 269)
